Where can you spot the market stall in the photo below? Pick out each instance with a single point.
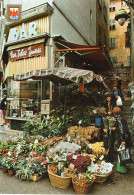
(62, 160)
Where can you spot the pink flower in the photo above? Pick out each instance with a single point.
(45, 162)
(42, 153)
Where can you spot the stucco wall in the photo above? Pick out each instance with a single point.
(71, 19)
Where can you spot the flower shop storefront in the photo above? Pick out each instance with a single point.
(76, 156)
(26, 50)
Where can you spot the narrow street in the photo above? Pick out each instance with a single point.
(117, 184)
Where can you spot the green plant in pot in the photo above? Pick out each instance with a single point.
(23, 172)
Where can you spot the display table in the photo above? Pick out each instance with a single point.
(17, 122)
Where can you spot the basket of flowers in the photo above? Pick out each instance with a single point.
(101, 171)
(59, 177)
(83, 182)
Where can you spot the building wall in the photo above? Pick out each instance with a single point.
(102, 25)
(28, 64)
(75, 20)
(121, 52)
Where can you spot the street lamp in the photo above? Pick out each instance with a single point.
(121, 16)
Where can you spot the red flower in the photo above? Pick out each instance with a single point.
(6, 154)
(15, 153)
(26, 151)
(20, 157)
(39, 158)
(45, 162)
(35, 154)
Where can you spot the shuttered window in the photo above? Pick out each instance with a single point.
(113, 60)
(112, 24)
(112, 7)
(112, 43)
(128, 60)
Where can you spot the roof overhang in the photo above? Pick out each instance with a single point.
(95, 55)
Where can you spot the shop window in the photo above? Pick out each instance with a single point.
(128, 60)
(113, 60)
(24, 99)
(112, 7)
(112, 24)
(45, 90)
(112, 43)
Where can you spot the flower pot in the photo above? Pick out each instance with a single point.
(5, 170)
(11, 172)
(35, 177)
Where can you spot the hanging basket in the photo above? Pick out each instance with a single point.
(82, 189)
(58, 181)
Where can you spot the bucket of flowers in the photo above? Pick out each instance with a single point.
(78, 162)
(83, 182)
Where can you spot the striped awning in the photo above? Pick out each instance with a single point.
(62, 75)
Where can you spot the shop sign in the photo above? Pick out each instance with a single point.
(14, 12)
(32, 30)
(26, 52)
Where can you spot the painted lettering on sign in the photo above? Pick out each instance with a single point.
(27, 52)
(32, 30)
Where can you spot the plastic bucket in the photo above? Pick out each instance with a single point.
(98, 121)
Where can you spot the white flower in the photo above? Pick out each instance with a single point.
(9, 153)
(80, 122)
(36, 141)
(18, 147)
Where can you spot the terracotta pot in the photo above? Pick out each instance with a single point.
(5, 170)
(11, 172)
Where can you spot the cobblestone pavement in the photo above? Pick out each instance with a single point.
(118, 184)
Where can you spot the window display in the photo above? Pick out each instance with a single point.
(24, 99)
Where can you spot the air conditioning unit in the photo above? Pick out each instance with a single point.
(62, 61)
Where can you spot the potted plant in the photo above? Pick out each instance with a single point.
(38, 167)
(23, 172)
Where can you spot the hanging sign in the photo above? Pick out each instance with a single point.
(14, 12)
(26, 52)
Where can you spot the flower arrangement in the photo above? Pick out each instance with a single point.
(78, 160)
(83, 178)
(98, 149)
(60, 170)
(102, 169)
